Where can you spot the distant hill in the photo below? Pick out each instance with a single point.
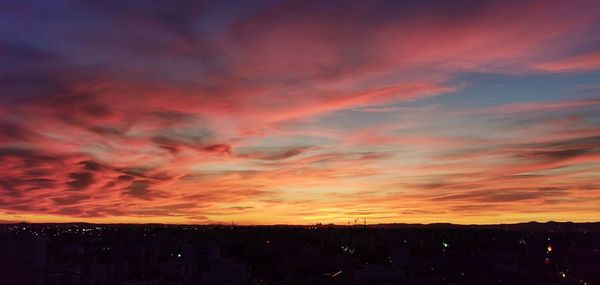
(529, 226)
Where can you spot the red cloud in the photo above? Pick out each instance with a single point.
(245, 116)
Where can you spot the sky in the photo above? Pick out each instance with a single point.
(299, 112)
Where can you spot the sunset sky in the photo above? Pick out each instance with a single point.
(297, 112)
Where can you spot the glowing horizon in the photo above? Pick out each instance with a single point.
(298, 112)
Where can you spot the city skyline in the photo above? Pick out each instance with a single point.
(299, 112)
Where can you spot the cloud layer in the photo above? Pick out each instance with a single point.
(299, 111)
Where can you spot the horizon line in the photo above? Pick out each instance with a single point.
(299, 225)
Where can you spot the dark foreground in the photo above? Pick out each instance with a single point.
(552, 253)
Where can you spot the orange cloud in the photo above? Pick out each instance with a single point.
(298, 112)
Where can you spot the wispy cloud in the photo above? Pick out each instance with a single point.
(298, 111)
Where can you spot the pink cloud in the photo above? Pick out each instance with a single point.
(583, 62)
(164, 119)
